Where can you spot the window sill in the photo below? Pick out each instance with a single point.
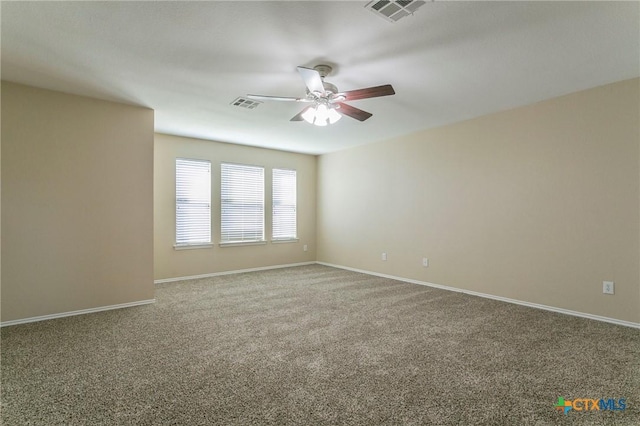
(242, 243)
(192, 246)
(285, 240)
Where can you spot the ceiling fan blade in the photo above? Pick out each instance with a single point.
(298, 116)
(277, 98)
(312, 79)
(369, 92)
(353, 112)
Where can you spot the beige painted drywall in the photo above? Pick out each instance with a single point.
(77, 207)
(539, 203)
(171, 263)
(0, 204)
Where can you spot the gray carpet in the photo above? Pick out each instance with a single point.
(315, 345)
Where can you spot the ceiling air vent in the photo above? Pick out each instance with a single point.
(245, 103)
(394, 10)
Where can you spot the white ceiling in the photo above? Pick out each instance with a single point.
(188, 61)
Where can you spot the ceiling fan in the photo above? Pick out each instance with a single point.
(328, 104)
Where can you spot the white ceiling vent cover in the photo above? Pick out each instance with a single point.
(394, 10)
(245, 103)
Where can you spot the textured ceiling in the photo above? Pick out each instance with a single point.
(188, 61)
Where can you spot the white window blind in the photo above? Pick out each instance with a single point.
(242, 203)
(193, 202)
(284, 204)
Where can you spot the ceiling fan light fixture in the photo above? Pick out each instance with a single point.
(309, 115)
(321, 115)
(333, 115)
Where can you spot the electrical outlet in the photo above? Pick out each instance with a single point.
(608, 287)
(384, 256)
(305, 248)
(425, 262)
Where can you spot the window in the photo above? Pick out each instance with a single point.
(242, 203)
(193, 202)
(284, 204)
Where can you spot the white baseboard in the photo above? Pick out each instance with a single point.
(237, 271)
(80, 312)
(490, 296)
(362, 271)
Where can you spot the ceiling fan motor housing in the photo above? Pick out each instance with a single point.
(325, 70)
(328, 87)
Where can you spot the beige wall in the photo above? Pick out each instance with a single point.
(539, 203)
(171, 263)
(77, 208)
